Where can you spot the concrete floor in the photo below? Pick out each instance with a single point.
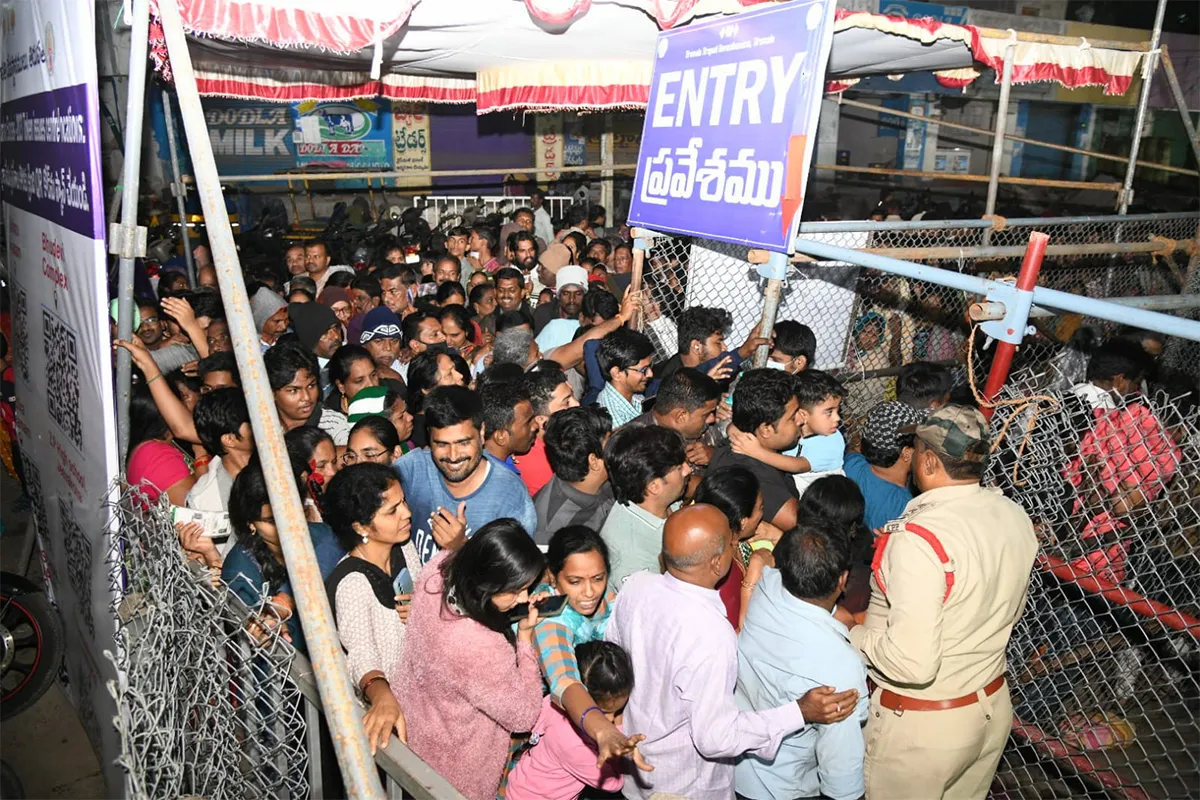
(44, 745)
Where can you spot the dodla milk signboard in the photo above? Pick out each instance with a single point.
(730, 125)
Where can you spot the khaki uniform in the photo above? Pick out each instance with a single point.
(920, 643)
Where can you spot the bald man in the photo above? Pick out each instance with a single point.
(684, 654)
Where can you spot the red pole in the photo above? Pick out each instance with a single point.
(1026, 280)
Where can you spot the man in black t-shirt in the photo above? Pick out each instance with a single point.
(765, 406)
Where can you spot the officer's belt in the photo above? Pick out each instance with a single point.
(898, 702)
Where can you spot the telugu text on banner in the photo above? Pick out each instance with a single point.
(54, 218)
(731, 123)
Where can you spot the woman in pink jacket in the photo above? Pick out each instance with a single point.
(469, 682)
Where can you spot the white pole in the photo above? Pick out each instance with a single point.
(998, 139)
(124, 239)
(1143, 104)
(337, 694)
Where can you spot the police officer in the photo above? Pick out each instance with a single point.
(948, 583)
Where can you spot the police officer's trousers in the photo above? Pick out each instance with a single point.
(926, 755)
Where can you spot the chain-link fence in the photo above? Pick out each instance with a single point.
(868, 323)
(207, 704)
(1103, 664)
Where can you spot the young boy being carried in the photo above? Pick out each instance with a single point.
(822, 447)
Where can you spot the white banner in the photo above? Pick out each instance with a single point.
(54, 217)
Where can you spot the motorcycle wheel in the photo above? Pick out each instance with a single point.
(31, 644)
(10, 784)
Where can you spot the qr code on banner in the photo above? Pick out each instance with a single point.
(85, 701)
(79, 564)
(20, 328)
(62, 377)
(37, 500)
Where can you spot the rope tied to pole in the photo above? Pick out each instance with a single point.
(1035, 404)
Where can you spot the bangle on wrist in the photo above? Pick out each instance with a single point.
(749, 584)
(152, 380)
(583, 716)
(368, 684)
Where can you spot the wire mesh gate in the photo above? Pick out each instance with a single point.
(1103, 664)
(206, 708)
(867, 322)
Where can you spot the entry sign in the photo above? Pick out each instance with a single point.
(731, 123)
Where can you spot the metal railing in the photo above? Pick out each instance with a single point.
(921, 314)
(556, 206)
(213, 700)
(406, 775)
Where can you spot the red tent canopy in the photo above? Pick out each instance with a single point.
(556, 54)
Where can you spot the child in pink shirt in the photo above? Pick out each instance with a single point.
(562, 761)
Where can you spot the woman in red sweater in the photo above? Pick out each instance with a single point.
(469, 682)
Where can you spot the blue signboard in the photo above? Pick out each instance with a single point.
(250, 138)
(344, 135)
(731, 123)
(914, 9)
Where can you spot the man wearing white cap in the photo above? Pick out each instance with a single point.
(570, 285)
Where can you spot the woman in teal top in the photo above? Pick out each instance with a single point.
(579, 565)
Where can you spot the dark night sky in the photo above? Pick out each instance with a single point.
(1183, 16)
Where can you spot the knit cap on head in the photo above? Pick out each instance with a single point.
(380, 323)
(885, 422)
(555, 257)
(263, 306)
(311, 321)
(334, 294)
(571, 275)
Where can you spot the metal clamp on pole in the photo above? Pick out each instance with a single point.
(1017, 299)
(126, 241)
(643, 240)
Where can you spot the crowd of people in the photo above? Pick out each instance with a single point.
(564, 553)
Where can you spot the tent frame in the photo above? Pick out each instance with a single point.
(337, 695)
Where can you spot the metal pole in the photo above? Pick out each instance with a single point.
(951, 253)
(180, 190)
(998, 137)
(1048, 298)
(774, 269)
(641, 244)
(607, 192)
(1026, 281)
(1143, 104)
(1180, 102)
(329, 665)
(771, 296)
(849, 226)
(123, 238)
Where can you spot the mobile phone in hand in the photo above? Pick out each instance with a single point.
(549, 607)
(403, 583)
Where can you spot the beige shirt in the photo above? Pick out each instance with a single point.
(917, 641)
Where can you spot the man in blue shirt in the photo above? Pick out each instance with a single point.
(509, 424)
(792, 643)
(451, 488)
(881, 470)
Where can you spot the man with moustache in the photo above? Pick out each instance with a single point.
(451, 488)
